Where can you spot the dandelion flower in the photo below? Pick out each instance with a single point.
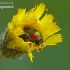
(28, 31)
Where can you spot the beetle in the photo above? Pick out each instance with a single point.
(32, 35)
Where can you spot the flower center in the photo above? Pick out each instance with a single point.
(32, 35)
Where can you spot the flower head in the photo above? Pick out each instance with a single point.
(27, 32)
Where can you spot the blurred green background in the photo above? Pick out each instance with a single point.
(50, 58)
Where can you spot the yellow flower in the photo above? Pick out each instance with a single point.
(27, 31)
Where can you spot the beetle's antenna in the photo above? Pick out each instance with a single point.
(47, 38)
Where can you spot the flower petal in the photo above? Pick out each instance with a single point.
(18, 31)
(18, 18)
(30, 56)
(47, 26)
(39, 10)
(54, 39)
(10, 26)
